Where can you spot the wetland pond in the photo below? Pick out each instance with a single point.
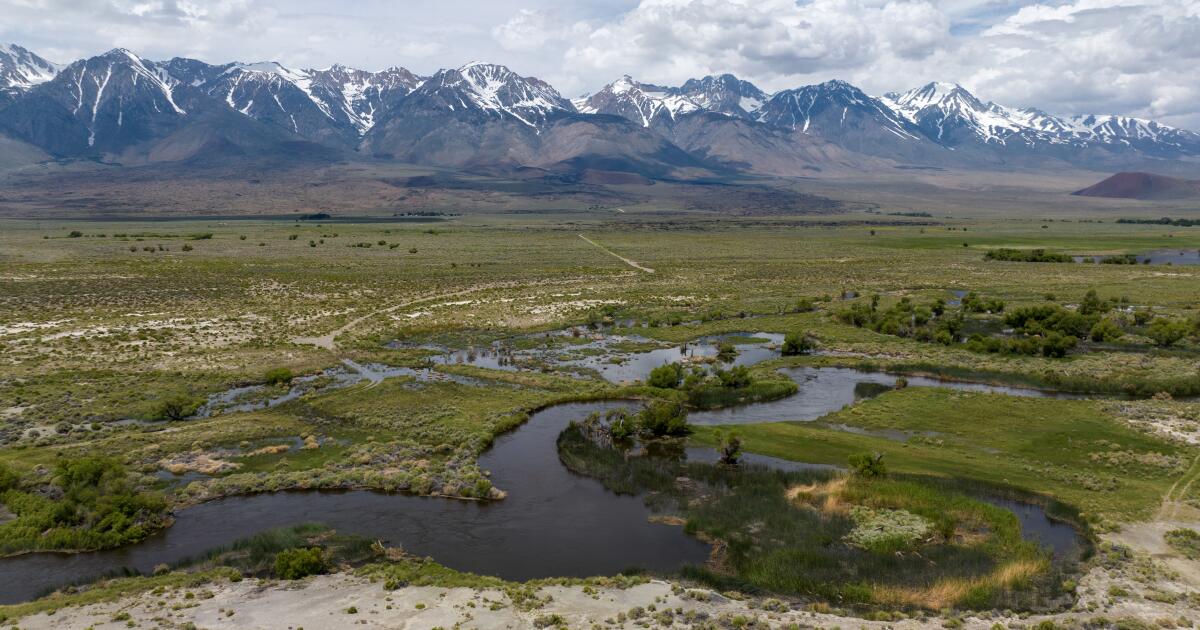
(552, 523)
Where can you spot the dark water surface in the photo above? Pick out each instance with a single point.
(827, 389)
(553, 523)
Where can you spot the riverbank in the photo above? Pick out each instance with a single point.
(1111, 594)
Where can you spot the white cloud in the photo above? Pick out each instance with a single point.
(671, 39)
(1133, 57)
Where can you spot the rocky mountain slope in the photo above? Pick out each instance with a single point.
(121, 107)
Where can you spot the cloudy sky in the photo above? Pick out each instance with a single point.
(1136, 57)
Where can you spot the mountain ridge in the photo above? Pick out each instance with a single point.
(483, 115)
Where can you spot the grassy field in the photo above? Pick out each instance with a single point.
(1072, 450)
(101, 322)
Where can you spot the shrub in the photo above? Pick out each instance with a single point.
(1026, 255)
(8, 478)
(666, 376)
(868, 466)
(735, 377)
(293, 564)
(663, 418)
(730, 448)
(1167, 332)
(177, 407)
(1106, 330)
(1185, 541)
(797, 342)
(279, 376)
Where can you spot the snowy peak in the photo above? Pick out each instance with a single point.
(643, 103)
(21, 69)
(945, 96)
(653, 105)
(725, 94)
(832, 108)
(950, 115)
(490, 90)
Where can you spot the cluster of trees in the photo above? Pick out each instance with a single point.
(1026, 255)
(1051, 330)
(1046, 329)
(906, 318)
(1163, 221)
(89, 503)
(659, 418)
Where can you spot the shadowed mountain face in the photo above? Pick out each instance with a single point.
(119, 107)
(1144, 186)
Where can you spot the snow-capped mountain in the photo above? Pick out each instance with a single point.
(724, 94)
(358, 95)
(488, 90)
(643, 103)
(952, 116)
(656, 106)
(832, 107)
(99, 104)
(20, 69)
(1137, 133)
(119, 105)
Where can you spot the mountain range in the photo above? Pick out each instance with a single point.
(121, 108)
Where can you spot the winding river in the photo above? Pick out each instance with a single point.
(553, 522)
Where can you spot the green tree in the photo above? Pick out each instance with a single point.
(1166, 332)
(666, 376)
(868, 466)
(662, 418)
(730, 447)
(293, 564)
(797, 342)
(278, 376)
(1106, 330)
(178, 406)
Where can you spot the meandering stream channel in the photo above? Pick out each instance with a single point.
(552, 523)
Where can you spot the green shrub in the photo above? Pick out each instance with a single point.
(1185, 541)
(797, 342)
(662, 418)
(1167, 332)
(666, 376)
(278, 376)
(293, 564)
(1106, 330)
(868, 466)
(177, 407)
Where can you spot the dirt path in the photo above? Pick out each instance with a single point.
(1173, 499)
(610, 252)
(328, 341)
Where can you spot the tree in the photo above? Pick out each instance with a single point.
(1106, 330)
(666, 376)
(178, 406)
(278, 376)
(1056, 344)
(797, 342)
(663, 418)
(868, 466)
(735, 377)
(293, 564)
(1166, 332)
(730, 447)
(1092, 304)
